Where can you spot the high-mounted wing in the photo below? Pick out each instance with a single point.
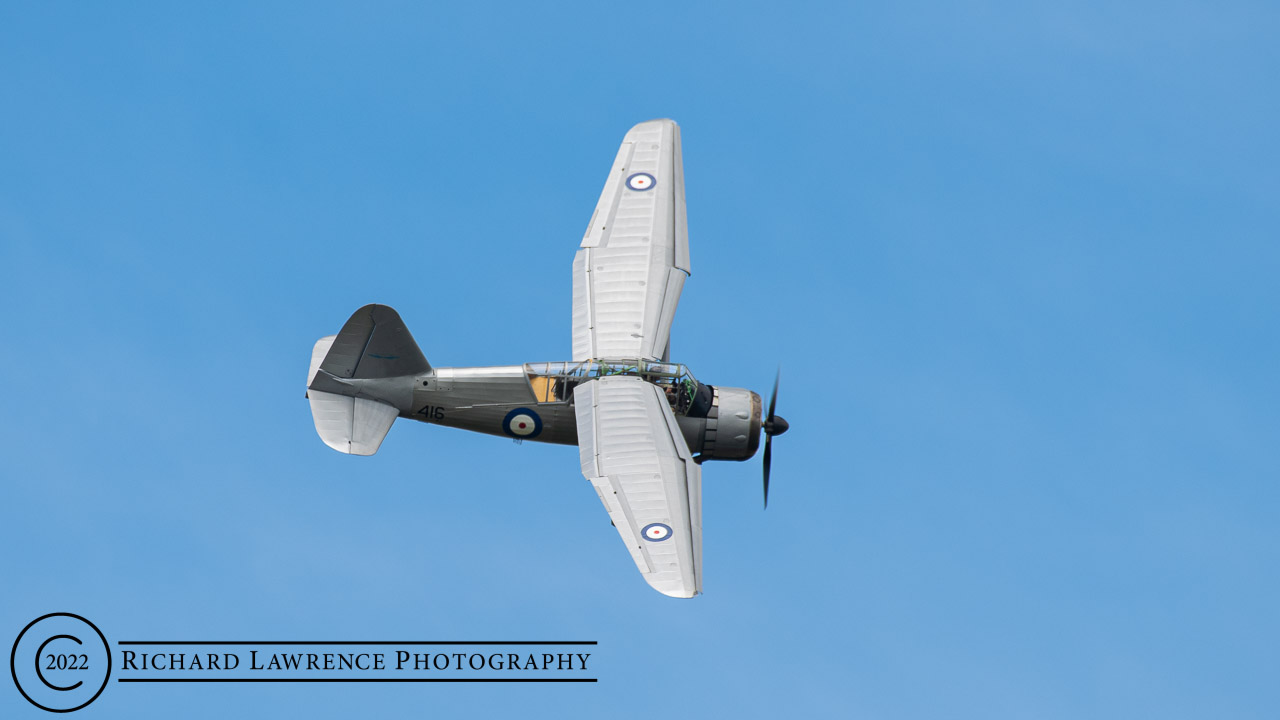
(634, 258)
(637, 460)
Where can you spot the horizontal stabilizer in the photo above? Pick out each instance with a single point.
(351, 425)
(317, 356)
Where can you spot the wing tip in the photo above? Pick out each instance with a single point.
(655, 121)
(675, 589)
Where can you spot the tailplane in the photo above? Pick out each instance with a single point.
(361, 379)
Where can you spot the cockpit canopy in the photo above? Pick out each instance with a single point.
(554, 382)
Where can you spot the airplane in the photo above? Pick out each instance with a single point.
(643, 424)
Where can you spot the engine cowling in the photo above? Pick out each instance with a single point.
(731, 428)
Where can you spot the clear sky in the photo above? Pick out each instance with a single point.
(1018, 262)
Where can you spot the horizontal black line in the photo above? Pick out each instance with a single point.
(351, 680)
(356, 642)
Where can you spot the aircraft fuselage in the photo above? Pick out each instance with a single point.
(535, 402)
(481, 398)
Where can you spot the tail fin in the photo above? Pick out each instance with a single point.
(374, 344)
(361, 377)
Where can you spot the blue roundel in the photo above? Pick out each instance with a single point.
(656, 532)
(522, 423)
(641, 182)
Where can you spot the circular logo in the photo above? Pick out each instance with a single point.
(60, 662)
(522, 423)
(656, 532)
(641, 181)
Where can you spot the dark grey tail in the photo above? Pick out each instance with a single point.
(364, 380)
(374, 344)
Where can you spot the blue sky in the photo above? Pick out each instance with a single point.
(1017, 261)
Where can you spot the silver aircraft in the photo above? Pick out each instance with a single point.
(643, 424)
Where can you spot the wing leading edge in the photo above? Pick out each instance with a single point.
(634, 257)
(637, 460)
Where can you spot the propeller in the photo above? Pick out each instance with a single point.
(773, 425)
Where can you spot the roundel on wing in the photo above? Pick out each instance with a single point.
(522, 423)
(656, 532)
(641, 181)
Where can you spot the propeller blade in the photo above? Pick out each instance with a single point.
(768, 439)
(768, 435)
(773, 399)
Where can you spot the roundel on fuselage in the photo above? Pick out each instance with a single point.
(522, 423)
